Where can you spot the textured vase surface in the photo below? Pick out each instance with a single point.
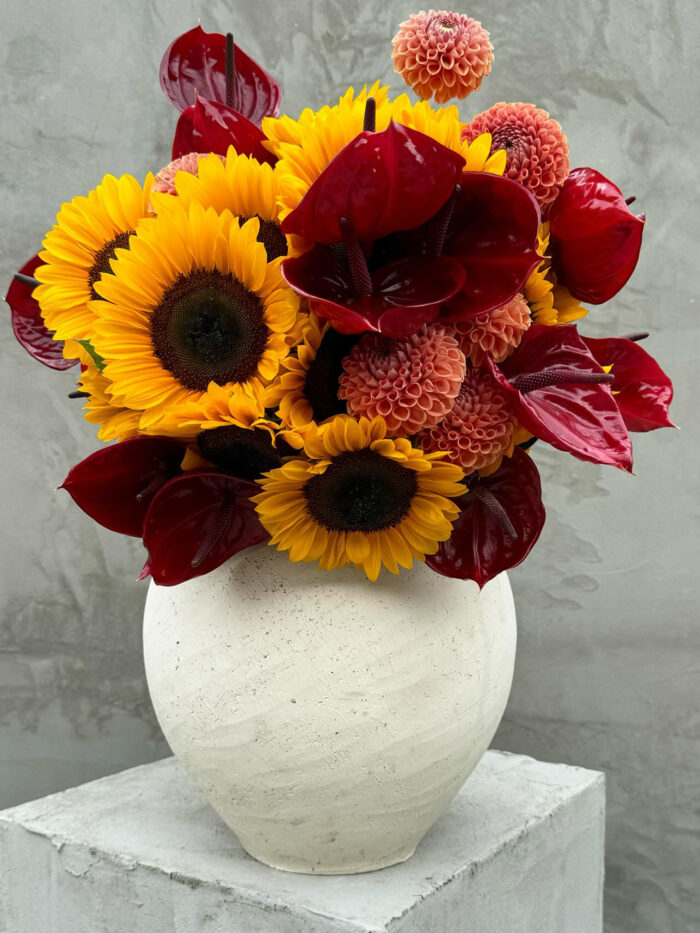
(328, 720)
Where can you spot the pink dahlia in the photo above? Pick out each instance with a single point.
(479, 428)
(411, 383)
(165, 179)
(442, 55)
(536, 147)
(494, 334)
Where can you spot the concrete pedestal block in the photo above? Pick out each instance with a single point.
(520, 850)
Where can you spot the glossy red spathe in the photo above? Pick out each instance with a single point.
(382, 183)
(399, 231)
(210, 126)
(481, 546)
(594, 237)
(115, 485)
(28, 325)
(643, 392)
(583, 419)
(195, 65)
(196, 522)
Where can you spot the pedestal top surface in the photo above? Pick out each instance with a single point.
(155, 817)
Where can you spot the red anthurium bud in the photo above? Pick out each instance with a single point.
(209, 126)
(643, 391)
(500, 520)
(594, 237)
(196, 522)
(381, 183)
(563, 396)
(27, 323)
(195, 64)
(116, 484)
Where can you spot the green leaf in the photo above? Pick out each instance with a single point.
(95, 357)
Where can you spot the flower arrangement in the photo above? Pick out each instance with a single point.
(341, 334)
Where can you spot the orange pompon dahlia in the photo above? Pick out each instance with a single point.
(494, 334)
(411, 383)
(165, 179)
(536, 147)
(478, 431)
(442, 55)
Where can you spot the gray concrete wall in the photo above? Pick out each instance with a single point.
(607, 672)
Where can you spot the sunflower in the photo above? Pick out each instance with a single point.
(115, 423)
(194, 320)
(549, 303)
(79, 248)
(362, 499)
(240, 184)
(306, 391)
(306, 146)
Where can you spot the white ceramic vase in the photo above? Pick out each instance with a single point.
(328, 720)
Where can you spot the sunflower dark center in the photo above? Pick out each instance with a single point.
(271, 237)
(244, 452)
(101, 264)
(209, 328)
(361, 491)
(321, 386)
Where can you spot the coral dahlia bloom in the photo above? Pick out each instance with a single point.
(536, 147)
(494, 333)
(479, 429)
(361, 499)
(411, 383)
(442, 55)
(165, 179)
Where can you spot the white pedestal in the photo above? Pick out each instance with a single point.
(519, 851)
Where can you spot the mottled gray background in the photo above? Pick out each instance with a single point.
(609, 657)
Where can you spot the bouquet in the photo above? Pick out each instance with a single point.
(341, 334)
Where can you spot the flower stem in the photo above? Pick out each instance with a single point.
(370, 120)
(231, 96)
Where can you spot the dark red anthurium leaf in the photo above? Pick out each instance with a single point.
(28, 325)
(405, 294)
(209, 126)
(481, 545)
(383, 182)
(493, 234)
(196, 522)
(594, 237)
(195, 64)
(116, 484)
(583, 419)
(643, 391)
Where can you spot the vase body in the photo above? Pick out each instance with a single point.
(327, 719)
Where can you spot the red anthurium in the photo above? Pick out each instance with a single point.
(116, 484)
(643, 391)
(500, 520)
(196, 522)
(380, 183)
(195, 64)
(404, 294)
(209, 126)
(27, 322)
(561, 395)
(493, 234)
(400, 230)
(594, 237)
